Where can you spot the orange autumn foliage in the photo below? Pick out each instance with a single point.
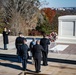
(50, 13)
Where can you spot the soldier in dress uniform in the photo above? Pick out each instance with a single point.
(37, 50)
(18, 43)
(45, 42)
(23, 53)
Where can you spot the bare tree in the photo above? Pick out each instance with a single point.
(20, 14)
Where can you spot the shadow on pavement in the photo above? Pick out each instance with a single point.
(9, 59)
(1, 48)
(31, 73)
(13, 60)
(62, 61)
(29, 70)
(11, 66)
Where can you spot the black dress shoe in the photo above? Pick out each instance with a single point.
(38, 71)
(24, 69)
(45, 64)
(5, 48)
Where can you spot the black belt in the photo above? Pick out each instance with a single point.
(19, 44)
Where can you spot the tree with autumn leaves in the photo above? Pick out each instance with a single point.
(49, 13)
(44, 23)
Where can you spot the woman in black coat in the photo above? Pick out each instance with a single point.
(5, 38)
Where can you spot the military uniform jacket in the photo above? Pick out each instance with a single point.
(23, 51)
(18, 43)
(45, 42)
(37, 49)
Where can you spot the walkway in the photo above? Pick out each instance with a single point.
(62, 63)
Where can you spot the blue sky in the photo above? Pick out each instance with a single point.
(60, 3)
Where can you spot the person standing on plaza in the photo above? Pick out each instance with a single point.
(45, 42)
(5, 38)
(32, 43)
(37, 50)
(18, 43)
(23, 54)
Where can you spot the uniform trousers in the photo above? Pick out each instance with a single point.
(37, 64)
(24, 64)
(44, 57)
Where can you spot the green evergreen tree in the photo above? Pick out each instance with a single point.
(43, 25)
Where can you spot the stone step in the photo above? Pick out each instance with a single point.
(71, 41)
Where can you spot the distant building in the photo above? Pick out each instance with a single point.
(64, 8)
